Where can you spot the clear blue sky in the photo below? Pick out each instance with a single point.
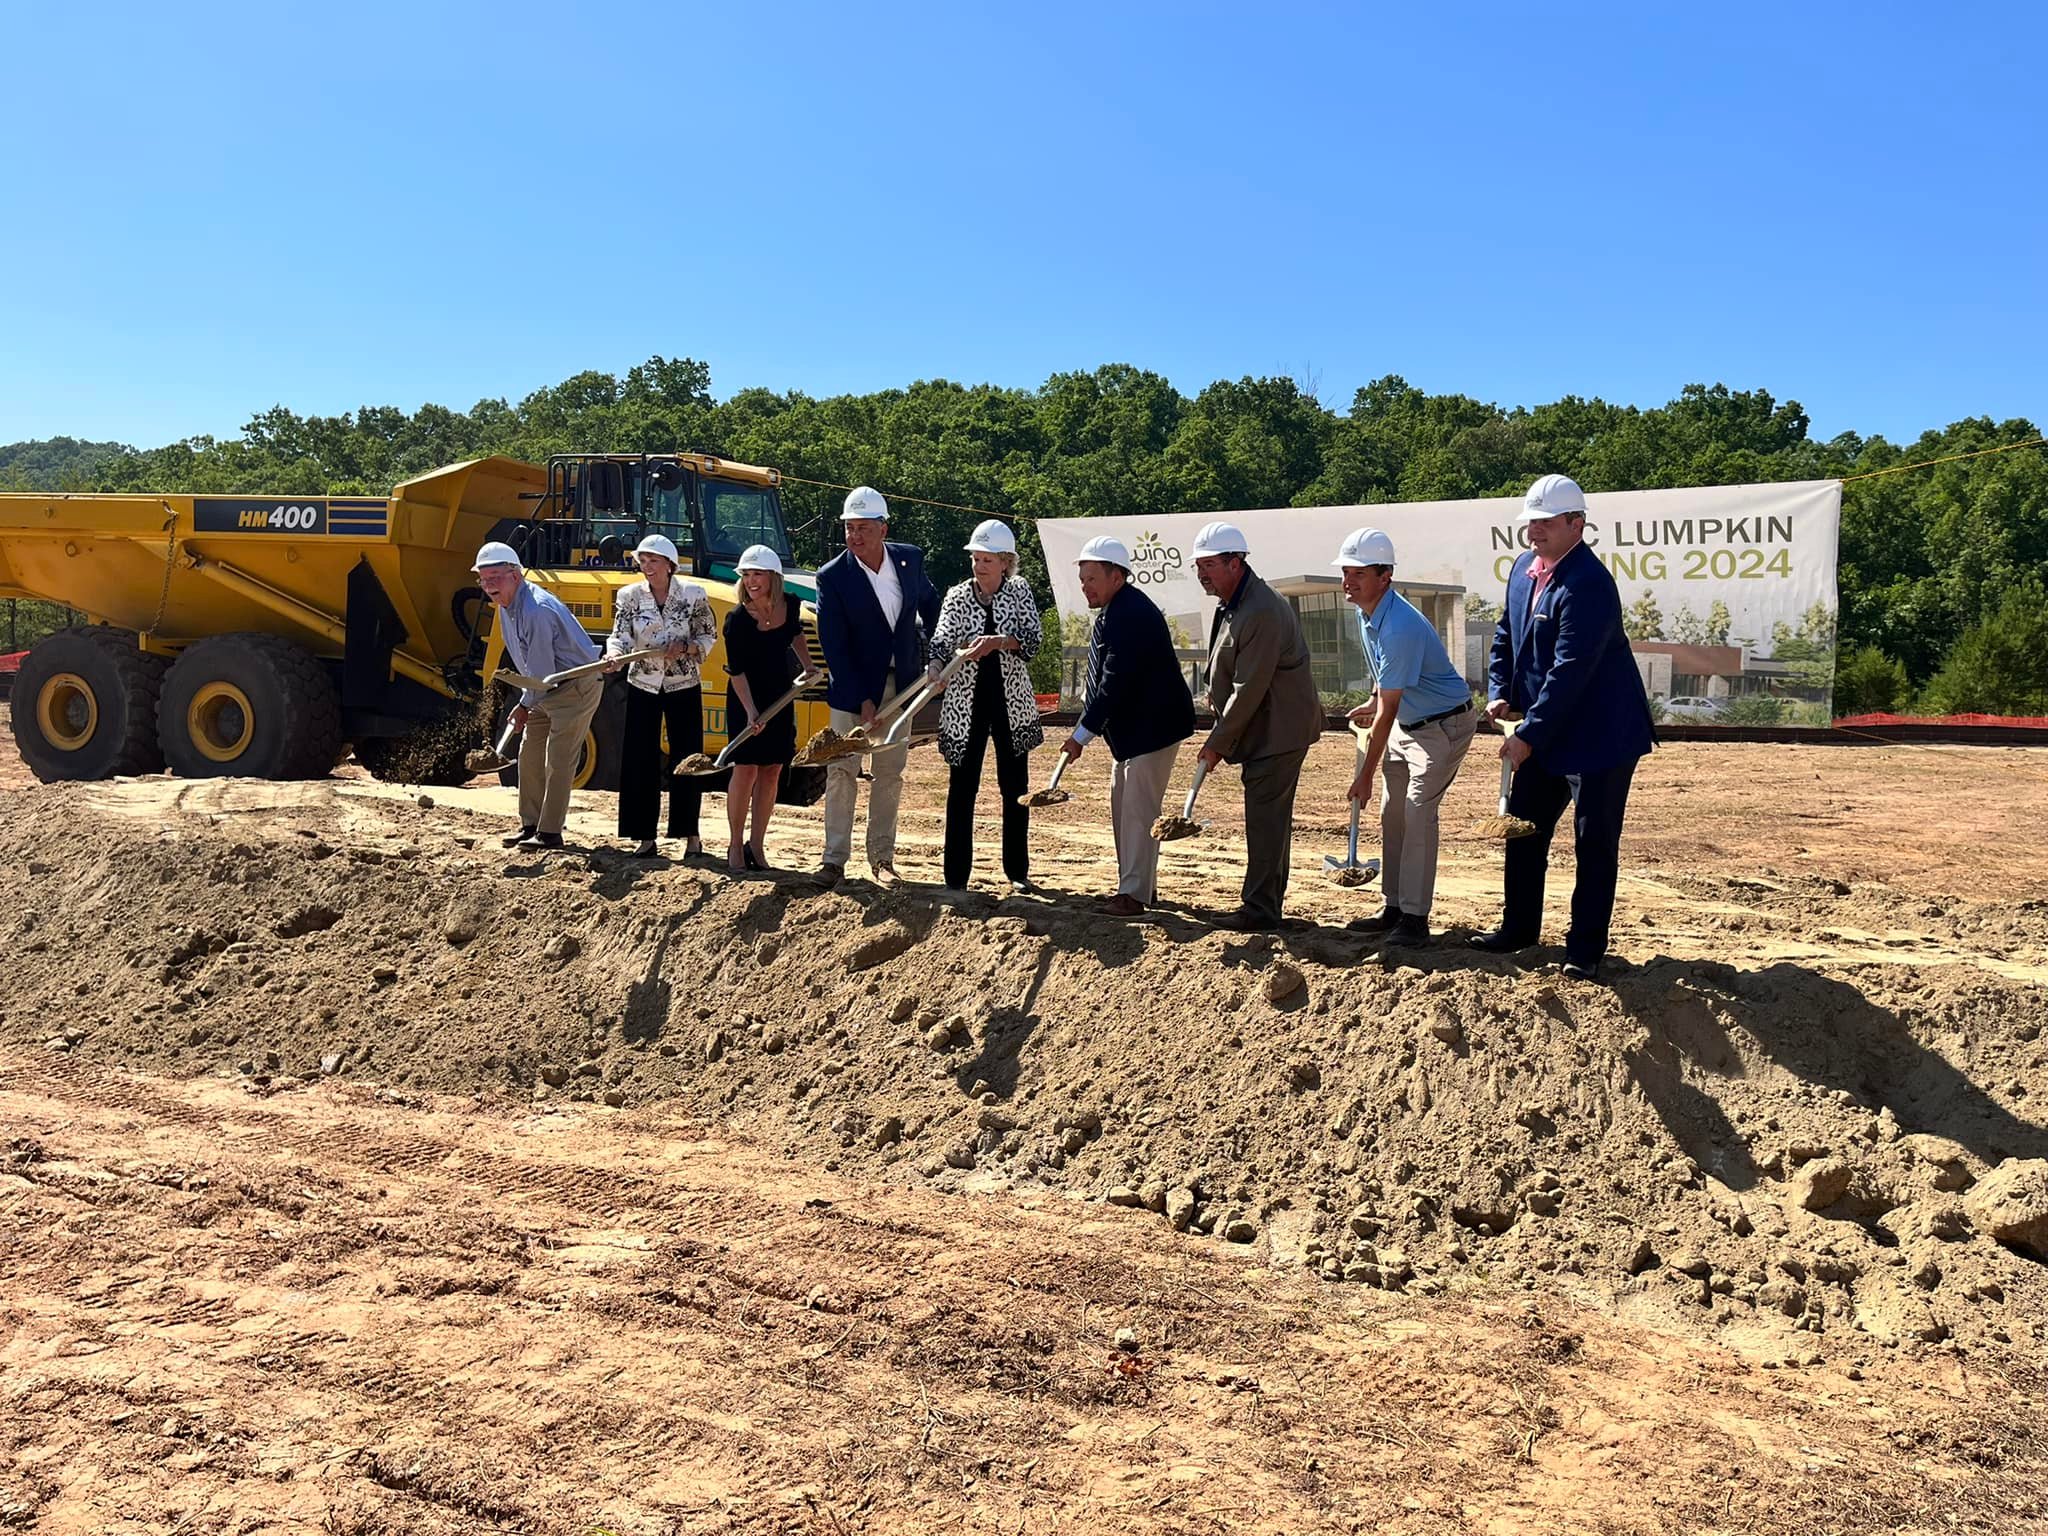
(216, 208)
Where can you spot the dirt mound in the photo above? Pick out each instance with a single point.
(1778, 1152)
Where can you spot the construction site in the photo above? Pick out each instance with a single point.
(359, 1176)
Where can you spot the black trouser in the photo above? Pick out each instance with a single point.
(640, 769)
(1541, 797)
(1013, 777)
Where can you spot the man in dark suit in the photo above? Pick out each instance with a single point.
(875, 609)
(1138, 703)
(1561, 658)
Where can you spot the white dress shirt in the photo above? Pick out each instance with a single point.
(888, 588)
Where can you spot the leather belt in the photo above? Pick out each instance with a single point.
(1445, 715)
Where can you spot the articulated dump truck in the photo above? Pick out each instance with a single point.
(262, 635)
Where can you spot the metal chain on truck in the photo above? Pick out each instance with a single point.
(163, 598)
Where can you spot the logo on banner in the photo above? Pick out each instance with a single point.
(1154, 561)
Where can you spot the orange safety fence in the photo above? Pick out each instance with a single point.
(2030, 722)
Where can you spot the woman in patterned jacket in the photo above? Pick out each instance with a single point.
(988, 700)
(676, 616)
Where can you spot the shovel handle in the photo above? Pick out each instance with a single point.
(753, 727)
(569, 674)
(1507, 769)
(1187, 812)
(1351, 858)
(1057, 769)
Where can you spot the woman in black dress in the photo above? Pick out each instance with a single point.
(764, 653)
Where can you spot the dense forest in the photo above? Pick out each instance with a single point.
(1944, 570)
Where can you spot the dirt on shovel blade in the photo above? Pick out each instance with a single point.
(1169, 828)
(697, 762)
(828, 744)
(1350, 875)
(1505, 827)
(1039, 797)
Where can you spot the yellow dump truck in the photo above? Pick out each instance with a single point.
(258, 635)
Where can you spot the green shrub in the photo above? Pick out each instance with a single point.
(1870, 682)
(2001, 666)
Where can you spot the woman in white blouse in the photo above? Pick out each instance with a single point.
(666, 689)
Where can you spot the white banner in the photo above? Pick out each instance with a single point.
(1727, 592)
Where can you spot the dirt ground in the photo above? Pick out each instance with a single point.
(358, 1176)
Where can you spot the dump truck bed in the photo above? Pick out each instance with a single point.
(177, 568)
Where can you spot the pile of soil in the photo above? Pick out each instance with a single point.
(1789, 1155)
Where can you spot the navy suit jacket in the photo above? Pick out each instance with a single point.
(860, 649)
(1568, 669)
(1137, 699)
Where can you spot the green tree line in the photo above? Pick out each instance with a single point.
(1942, 570)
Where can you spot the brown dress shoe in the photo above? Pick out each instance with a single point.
(1121, 905)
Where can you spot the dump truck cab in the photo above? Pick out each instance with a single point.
(598, 506)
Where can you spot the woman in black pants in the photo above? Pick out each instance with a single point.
(666, 689)
(993, 617)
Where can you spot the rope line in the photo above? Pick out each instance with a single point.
(922, 501)
(1900, 469)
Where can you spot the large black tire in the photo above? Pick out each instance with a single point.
(251, 705)
(84, 705)
(598, 767)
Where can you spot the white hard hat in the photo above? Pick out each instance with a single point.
(1220, 539)
(1365, 546)
(495, 553)
(1552, 496)
(759, 557)
(991, 538)
(864, 504)
(655, 544)
(1106, 549)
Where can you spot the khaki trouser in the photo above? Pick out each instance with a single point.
(1269, 784)
(842, 789)
(555, 727)
(1417, 769)
(1137, 786)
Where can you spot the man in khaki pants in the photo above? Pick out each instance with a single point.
(1422, 723)
(876, 609)
(541, 636)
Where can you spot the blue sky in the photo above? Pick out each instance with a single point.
(217, 208)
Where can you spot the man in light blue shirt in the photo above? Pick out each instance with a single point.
(541, 636)
(1422, 722)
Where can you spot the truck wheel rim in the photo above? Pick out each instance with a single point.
(586, 761)
(220, 722)
(68, 711)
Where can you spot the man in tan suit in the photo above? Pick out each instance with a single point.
(1267, 713)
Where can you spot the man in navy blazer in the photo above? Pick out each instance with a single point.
(1562, 660)
(876, 607)
(1139, 704)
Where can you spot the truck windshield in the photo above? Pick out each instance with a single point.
(738, 515)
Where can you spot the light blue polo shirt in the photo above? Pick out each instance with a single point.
(1407, 653)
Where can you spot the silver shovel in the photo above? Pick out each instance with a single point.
(907, 712)
(1347, 871)
(703, 766)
